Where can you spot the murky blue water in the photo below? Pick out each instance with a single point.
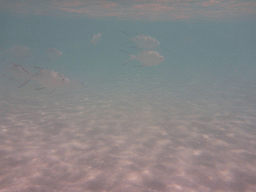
(187, 124)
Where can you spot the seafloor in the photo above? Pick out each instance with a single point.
(122, 140)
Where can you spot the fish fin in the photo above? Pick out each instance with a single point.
(132, 57)
(38, 68)
(138, 48)
(24, 83)
(126, 34)
(21, 68)
(127, 62)
(126, 52)
(37, 73)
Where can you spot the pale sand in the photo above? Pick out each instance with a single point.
(126, 142)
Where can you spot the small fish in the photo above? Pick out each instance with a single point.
(19, 51)
(17, 54)
(147, 58)
(53, 53)
(144, 42)
(95, 39)
(46, 78)
(50, 79)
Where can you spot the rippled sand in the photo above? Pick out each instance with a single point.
(126, 141)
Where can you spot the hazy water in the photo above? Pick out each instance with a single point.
(188, 124)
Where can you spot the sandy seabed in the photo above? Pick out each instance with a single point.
(125, 141)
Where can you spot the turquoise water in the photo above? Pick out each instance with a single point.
(187, 124)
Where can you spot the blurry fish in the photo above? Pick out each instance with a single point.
(147, 58)
(18, 52)
(53, 53)
(144, 42)
(46, 78)
(95, 39)
(50, 79)
(18, 72)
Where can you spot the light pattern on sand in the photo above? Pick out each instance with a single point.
(125, 142)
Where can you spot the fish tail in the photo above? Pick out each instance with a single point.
(127, 62)
(132, 57)
(24, 83)
(126, 52)
(126, 34)
(138, 48)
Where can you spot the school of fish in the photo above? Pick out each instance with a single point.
(147, 56)
(51, 79)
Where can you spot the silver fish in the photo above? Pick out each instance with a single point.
(53, 53)
(49, 79)
(144, 42)
(95, 39)
(17, 54)
(46, 78)
(18, 51)
(147, 58)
